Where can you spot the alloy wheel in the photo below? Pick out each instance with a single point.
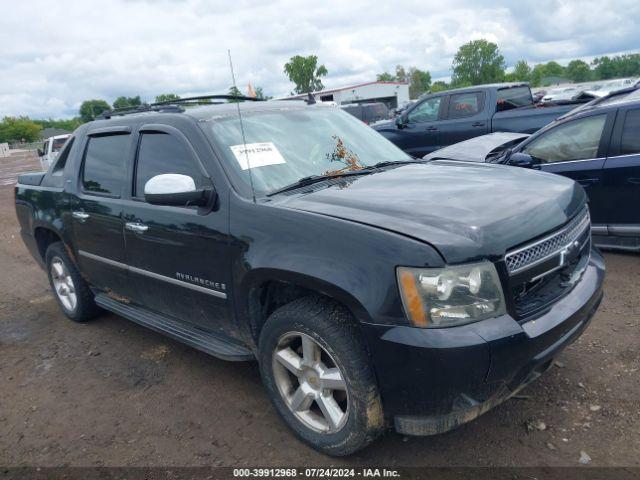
(63, 284)
(310, 382)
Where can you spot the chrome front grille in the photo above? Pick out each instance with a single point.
(536, 252)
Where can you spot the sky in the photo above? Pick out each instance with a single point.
(54, 55)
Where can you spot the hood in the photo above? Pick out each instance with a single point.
(465, 210)
(477, 149)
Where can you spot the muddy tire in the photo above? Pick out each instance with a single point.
(69, 288)
(316, 369)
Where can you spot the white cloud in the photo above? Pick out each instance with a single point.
(54, 56)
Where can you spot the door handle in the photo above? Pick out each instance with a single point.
(478, 124)
(136, 227)
(585, 182)
(432, 129)
(80, 215)
(633, 181)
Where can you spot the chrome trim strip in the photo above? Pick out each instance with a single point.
(624, 230)
(156, 276)
(573, 161)
(599, 230)
(108, 261)
(625, 155)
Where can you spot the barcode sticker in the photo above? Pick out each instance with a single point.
(253, 155)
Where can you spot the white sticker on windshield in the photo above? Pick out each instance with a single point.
(258, 155)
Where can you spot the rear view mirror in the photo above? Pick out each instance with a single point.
(524, 160)
(176, 190)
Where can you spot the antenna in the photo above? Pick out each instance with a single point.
(244, 140)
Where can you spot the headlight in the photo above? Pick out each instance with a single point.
(444, 297)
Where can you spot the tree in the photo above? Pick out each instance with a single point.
(401, 74)
(127, 102)
(521, 71)
(305, 73)
(90, 109)
(439, 86)
(542, 70)
(235, 91)
(167, 97)
(69, 124)
(478, 62)
(260, 94)
(419, 82)
(618, 66)
(578, 71)
(18, 129)
(385, 77)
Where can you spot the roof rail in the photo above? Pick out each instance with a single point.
(172, 106)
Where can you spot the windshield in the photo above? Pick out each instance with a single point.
(286, 145)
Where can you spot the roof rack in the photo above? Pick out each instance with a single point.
(173, 106)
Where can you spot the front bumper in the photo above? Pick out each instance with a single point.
(432, 380)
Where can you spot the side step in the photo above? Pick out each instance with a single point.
(190, 335)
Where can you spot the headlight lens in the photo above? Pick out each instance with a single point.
(445, 297)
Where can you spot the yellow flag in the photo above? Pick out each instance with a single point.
(250, 91)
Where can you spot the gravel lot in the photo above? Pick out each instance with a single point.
(112, 393)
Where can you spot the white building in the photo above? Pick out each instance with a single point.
(390, 93)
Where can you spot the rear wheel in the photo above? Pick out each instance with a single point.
(316, 370)
(71, 290)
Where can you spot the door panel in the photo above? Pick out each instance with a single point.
(420, 134)
(465, 118)
(96, 212)
(178, 256)
(622, 171)
(577, 149)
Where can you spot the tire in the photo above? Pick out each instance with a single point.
(312, 415)
(71, 291)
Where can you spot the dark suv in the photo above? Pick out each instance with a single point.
(373, 289)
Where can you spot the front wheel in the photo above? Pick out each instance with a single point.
(316, 370)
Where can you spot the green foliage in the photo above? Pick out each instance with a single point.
(439, 86)
(260, 94)
(477, 62)
(521, 72)
(90, 109)
(167, 97)
(235, 91)
(619, 66)
(127, 102)
(305, 73)
(19, 129)
(419, 82)
(578, 71)
(385, 77)
(69, 124)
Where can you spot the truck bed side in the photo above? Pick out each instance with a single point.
(526, 120)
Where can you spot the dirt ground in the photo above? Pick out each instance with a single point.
(113, 393)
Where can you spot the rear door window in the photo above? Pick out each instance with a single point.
(630, 142)
(515, 97)
(575, 140)
(465, 104)
(104, 164)
(160, 153)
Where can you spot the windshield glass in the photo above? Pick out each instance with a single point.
(285, 145)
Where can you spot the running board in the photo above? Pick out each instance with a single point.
(190, 335)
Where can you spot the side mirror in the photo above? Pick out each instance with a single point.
(401, 121)
(40, 152)
(524, 160)
(176, 190)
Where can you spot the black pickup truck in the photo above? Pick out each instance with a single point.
(452, 116)
(372, 288)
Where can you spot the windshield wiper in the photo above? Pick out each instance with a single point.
(310, 180)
